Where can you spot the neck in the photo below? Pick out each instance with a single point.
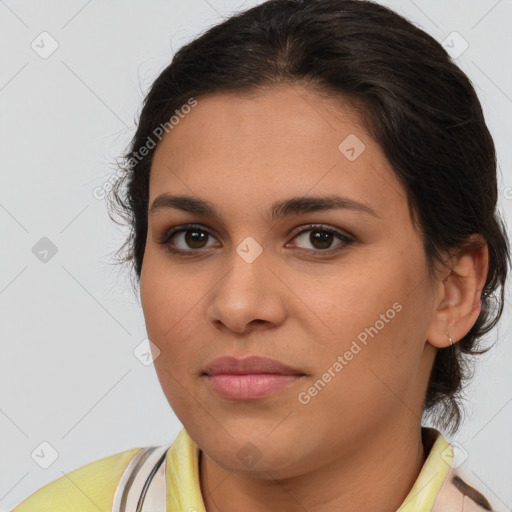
(376, 476)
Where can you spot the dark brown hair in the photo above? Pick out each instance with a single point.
(417, 104)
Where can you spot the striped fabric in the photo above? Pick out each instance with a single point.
(439, 487)
(161, 479)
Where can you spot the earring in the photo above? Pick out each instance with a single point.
(449, 337)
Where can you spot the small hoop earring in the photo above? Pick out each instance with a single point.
(450, 338)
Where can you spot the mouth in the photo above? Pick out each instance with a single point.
(252, 378)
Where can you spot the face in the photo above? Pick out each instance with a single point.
(339, 294)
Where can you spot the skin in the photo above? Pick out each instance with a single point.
(357, 444)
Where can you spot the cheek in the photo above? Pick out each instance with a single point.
(353, 303)
(375, 323)
(167, 306)
(169, 316)
(161, 288)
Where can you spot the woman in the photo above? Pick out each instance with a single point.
(312, 195)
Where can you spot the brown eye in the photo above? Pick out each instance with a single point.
(186, 239)
(189, 239)
(322, 238)
(195, 238)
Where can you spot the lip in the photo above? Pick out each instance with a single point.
(251, 378)
(249, 365)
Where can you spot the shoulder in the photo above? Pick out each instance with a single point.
(440, 486)
(458, 493)
(89, 488)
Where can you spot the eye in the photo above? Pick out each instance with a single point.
(185, 240)
(182, 240)
(321, 238)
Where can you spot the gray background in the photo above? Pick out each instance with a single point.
(70, 323)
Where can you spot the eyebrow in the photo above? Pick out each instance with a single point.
(278, 210)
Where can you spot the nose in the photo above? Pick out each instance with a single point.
(248, 295)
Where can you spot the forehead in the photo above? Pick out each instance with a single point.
(286, 141)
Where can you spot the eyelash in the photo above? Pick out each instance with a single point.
(165, 240)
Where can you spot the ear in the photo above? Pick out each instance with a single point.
(460, 290)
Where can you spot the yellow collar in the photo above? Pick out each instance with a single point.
(432, 475)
